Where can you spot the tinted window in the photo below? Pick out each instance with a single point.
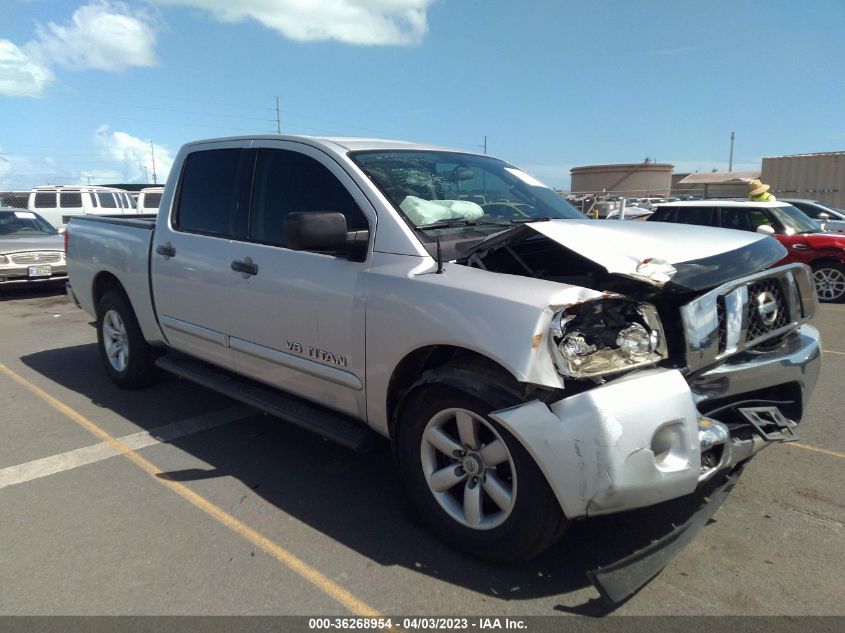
(734, 218)
(45, 200)
(70, 200)
(664, 214)
(695, 215)
(107, 200)
(93, 197)
(207, 192)
(288, 182)
(152, 200)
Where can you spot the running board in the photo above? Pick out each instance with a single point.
(333, 426)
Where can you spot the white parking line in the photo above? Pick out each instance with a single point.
(45, 466)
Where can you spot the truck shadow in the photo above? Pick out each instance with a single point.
(354, 499)
(34, 291)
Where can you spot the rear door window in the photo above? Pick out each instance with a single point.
(664, 214)
(208, 192)
(701, 216)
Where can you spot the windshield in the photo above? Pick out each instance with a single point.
(795, 221)
(23, 224)
(433, 189)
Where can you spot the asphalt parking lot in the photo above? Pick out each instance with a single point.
(218, 509)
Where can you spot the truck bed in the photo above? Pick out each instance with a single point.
(108, 248)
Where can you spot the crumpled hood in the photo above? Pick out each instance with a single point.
(679, 256)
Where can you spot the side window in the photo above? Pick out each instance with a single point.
(735, 218)
(664, 214)
(701, 216)
(45, 200)
(70, 200)
(289, 182)
(93, 198)
(107, 200)
(152, 200)
(207, 192)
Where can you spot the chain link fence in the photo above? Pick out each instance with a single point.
(16, 199)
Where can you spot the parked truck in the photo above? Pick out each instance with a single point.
(529, 367)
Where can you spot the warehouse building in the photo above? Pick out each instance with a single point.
(627, 179)
(815, 176)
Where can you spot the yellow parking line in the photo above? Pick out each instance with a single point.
(341, 595)
(816, 449)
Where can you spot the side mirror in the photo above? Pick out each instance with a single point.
(321, 231)
(823, 216)
(765, 229)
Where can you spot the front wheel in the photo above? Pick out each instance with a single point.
(829, 278)
(472, 481)
(127, 357)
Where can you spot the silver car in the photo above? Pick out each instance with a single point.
(31, 250)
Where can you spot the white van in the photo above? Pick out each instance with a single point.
(56, 203)
(149, 199)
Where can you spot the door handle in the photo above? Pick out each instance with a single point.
(800, 247)
(166, 249)
(246, 268)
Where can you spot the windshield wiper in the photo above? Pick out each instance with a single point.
(450, 222)
(544, 218)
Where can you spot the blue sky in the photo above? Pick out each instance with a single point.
(85, 86)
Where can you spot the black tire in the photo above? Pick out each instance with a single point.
(533, 520)
(138, 366)
(829, 279)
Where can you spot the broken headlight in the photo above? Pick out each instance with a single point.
(606, 336)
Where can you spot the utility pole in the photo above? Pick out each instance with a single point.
(731, 159)
(485, 144)
(278, 120)
(153, 154)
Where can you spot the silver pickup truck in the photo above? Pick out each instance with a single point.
(529, 366)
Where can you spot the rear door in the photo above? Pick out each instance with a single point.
(298, 316)
(190, 253)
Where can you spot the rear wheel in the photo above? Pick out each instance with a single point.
(829, 278)
(127, 357)
(471, 480)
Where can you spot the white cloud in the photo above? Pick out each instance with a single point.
(101, 35)
(367, 22)
(132, 155)
(20, 74)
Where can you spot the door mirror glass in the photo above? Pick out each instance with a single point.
(316, 231)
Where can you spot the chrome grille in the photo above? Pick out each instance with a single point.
(746, 312)
(36, 258)
(759, 324)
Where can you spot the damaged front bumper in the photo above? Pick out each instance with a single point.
(639, 440)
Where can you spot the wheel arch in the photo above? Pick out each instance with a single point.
(102, 283)
(457, 367)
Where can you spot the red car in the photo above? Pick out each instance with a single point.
(801, 235)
